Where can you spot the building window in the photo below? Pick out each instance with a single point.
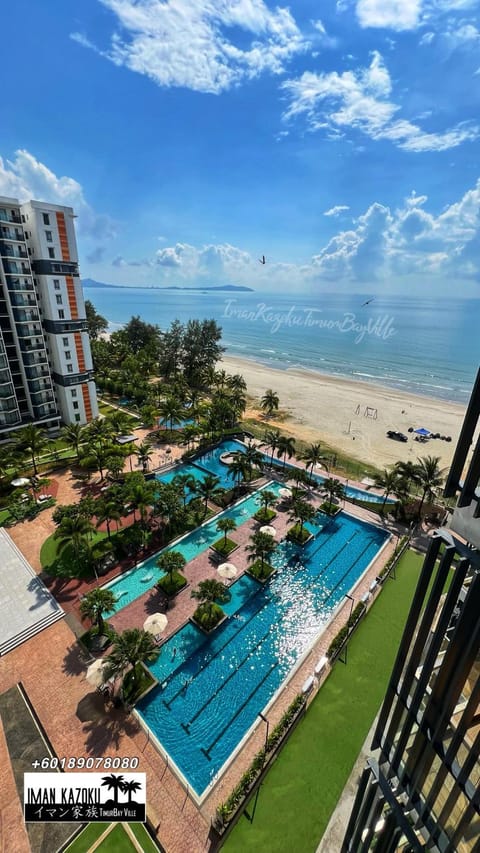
(65, 342)
(77, 418)
(75, 405)
(46, 219)
(69, 368)
(59, 299)
(74, 392)
(48, 235)
(51, 252)
(68, 354)
(56, 284)
(61, 314)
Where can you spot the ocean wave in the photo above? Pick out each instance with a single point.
(268, 350)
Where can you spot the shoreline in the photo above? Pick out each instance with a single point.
(322, 406)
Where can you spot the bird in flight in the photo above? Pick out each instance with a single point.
(368, 301)
(262, 260)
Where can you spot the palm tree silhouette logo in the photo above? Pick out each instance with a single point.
(119, 783)
(113, 782)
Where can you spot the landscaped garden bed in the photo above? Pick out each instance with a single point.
(224, 548)
(171, 585)
(265, 516)
(299, 535)
(330, 509)
(261, 572)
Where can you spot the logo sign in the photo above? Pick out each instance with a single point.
(83, 797)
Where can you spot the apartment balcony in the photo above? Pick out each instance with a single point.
(16, 267)
(17, 285)
(8, 250)
(6, 390)
(45, 410)
(12, 234)
(9, 419)
(29, 330)
(20, 300)
(31, 346)
(7, 406)
(31, 359)
(38, 385)
(37, 372)
(10, 216)
(26, 316)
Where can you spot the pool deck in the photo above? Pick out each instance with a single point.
(52, 667)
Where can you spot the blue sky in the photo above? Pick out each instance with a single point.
(340, 139)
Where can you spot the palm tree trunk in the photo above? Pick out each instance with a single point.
(34, 464)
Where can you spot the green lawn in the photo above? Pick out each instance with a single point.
(117, 841)
(305, 783)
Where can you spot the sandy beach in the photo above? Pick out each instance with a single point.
(327, 408)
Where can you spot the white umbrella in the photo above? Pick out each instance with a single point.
(156, 623)
(285, 493)
(95, 673)
(267, 528)
(227, 570)
(21, 481)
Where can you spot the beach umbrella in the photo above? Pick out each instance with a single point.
(285, 493)
(422, 431)
(21, 481)
(267, 528)
(156, 623)
(227, 570)
(95, 674)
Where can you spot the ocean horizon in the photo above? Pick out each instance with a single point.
(418, 345)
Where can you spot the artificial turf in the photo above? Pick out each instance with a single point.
(302, 788)
(117, 840)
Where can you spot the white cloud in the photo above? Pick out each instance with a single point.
(335, 211)
(360, 99)
(26, 178)
(391, 14)
(97, 255)
(180, 43)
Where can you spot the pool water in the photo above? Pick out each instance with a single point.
(212, 688)
(143, 577)
(165, 422)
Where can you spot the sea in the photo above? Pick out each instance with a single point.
(420, 345)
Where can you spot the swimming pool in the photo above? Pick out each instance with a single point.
(165, 422)
(143, 577)
(212, 688)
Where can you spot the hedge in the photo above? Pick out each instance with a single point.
(342, 635)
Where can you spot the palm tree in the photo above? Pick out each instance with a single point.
(95, 603)
(270, 402)
(130, 647)
(99, 431)
(428, 476)
(271, 439)
(115, 783)
(168, 502)
(8, 459)
(208, 489)
(190, 433)
(141, 497)
(171, 562)
(238, 468)
(73, 531)
(267, 499)
(170, 411)
(144, 454)
(302, 511)
(237, 383)
(312, 456)
(285, 447)
(210, 592)
(389, 481)
(226, 525)
(74, 434)
(253, 458)
(407, 472)
(332, 489)
(31, 439)
(106, 510)
(186, 483)
(114, 464)
(118, 421)
(130, 788)
(261, 548)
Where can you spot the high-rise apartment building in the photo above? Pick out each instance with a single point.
(45, 362)
(421, 790)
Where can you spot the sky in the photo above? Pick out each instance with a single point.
(339, 139)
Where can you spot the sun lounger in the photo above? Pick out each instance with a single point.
(320, 665)
(308, 684)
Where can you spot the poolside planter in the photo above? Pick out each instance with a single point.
(208, 631)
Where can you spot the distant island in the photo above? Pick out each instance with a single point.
(90, 282)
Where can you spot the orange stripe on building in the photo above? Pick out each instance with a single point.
(86, 402)
(72, 298)
(62, 233)
(79, 351)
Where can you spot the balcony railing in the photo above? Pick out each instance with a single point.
(16, 268)
(16, 284)
(22, 316)
(37, 371)
(6, 391)
(7, 250)
(31, 358)
(11, 234)
(8, 419)
(21, 301)
(31, 346)
(9, 216)
(28, 330)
